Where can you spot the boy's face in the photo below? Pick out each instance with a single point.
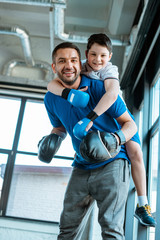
(98, 56)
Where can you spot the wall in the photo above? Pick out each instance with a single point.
(12, 229)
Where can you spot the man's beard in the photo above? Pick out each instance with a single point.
(66, 82)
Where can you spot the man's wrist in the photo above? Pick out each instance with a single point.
(121, 136)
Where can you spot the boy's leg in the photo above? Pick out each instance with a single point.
(143, 210)
(76, 203)
(137, 167)
(110, 189)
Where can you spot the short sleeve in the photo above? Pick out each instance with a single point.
(48, 101)
(110, 71)
(117, 109)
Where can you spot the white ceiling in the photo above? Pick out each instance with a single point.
(81, 19)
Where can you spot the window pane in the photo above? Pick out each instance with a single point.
(3, 161)
(37, 189)
(9, 109)
(155, 103)
(35, 125)
(154, 172)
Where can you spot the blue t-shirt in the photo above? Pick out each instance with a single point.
(61, 112)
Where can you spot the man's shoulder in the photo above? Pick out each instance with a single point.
(48, 96)
(90, 80)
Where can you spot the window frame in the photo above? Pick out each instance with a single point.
(24, 97)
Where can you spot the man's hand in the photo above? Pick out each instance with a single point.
(48, 146)
(101, 146)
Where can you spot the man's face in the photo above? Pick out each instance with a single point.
(67, 65)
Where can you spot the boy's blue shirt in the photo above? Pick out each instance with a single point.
(61, 112)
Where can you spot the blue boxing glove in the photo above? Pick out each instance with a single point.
(79, 129)
(76, 97)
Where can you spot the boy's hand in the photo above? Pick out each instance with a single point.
(90, 124)
(83, 89)
(81, 129)
(76, 97)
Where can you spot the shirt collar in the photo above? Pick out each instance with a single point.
(85, 81)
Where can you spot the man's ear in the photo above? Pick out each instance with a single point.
(80, 65)
(53, 67)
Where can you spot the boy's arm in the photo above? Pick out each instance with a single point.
(112, 90)
(78, 98)
(55, 87)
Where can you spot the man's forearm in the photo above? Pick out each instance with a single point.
(129, 129)
(61, 131)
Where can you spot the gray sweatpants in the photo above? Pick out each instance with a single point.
(108, 185)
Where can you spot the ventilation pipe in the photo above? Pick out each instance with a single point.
(59, 6)
(23, 35)
(25, 41)
(59, 29)
(47, 69)
(40, 3)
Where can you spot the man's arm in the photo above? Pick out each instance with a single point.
(61, 131)
(101, 146)
(129, 127)
(49, 145)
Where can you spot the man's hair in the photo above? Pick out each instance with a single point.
(101, 39)
(65, 45)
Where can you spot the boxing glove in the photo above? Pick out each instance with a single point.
(76, 97)
(48, 146)
(79, 129)
(100, 146)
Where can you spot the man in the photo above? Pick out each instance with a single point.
(101, 166)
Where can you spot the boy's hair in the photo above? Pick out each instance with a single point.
(65, 45)
(101, 39)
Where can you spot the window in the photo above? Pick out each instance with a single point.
(9, 114)
(3, 162)
(153, 183)
(154, 149)
(35, 189)
(155, 101)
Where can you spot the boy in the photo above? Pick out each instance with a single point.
(97, 66)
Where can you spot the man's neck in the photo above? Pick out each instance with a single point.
(74, 85)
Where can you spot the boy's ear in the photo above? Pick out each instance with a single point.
(110, 56)
(53, 68)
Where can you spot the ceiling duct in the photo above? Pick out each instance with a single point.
(29, 62)
(40, 3)
(8, 68)
(60, 32)
(59, 6)
(24, 37)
